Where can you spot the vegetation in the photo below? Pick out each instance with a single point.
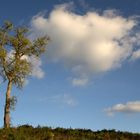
(27, 132)
(15, 50)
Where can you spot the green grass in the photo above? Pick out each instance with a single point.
(27, 132)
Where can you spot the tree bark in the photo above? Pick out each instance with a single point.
(7, 106)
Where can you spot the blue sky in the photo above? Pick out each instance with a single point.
(89, 77)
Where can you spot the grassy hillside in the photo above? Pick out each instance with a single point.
(27, 132)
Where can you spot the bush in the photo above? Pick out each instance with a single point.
(27, 132)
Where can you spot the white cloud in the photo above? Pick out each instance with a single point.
(79, 81)
(135, 55)
(69, 100)
(129, 107)
(87, 44)
(36, 67)
(36, 64)
(62, 99)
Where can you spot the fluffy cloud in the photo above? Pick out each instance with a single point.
(135, 55)
(36, 67)
(129, 107)
(87, 44)
(36, 64)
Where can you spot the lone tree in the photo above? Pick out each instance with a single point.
(15, 46)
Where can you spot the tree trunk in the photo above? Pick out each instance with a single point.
(7, 106)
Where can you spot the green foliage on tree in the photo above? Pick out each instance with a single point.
(15, 45)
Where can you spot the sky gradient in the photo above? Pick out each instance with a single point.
(89, 76)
